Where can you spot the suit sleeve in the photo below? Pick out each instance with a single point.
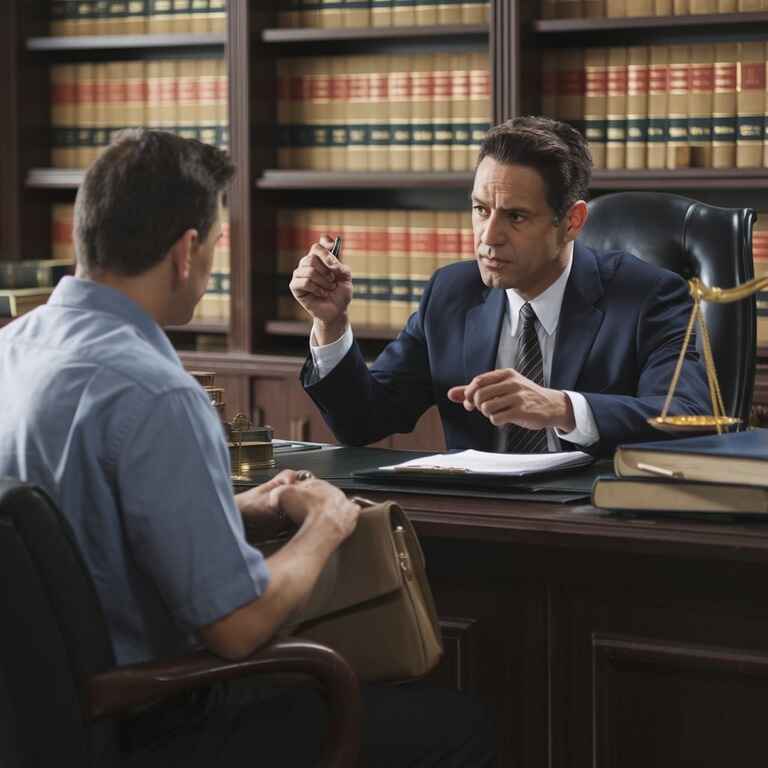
(362, 405)
(660, 331)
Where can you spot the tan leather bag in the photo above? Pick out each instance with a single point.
(372, 602)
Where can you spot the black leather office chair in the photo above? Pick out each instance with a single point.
(695, 240)
(59, 687)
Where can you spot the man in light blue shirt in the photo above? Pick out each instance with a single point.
(99, 411)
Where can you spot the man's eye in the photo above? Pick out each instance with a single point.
(516, 218)
(480, 210)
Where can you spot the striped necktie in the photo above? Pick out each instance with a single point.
(531, 365)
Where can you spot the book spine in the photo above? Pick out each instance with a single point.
(153, 107)
(381, 13)
(422, 253)
(702, 6)
(285, 75)
(358, 108)
(479, 102)
(460, 113)
(724, 105)
(442, 128)
(331, 14)
(318, 114)
(658, 108)
(379, 129)
(662, 8)
(399, 86)
(62, 216)
(747, 6)
(217, 16)
(548, 9)
(639, 8)
(701, 104)
(397, 235)
(186, 102)
(637, 107)
(225, 262)
(403, 13)
(615, 8)
(425, 13)
(160, 20)
(355, 255)
(475, 12)
(63, 115)
(207, 117)
(133, 109)
(467, 238)
(289, 15)
(422, 90)
(680, 7)
(447, 238)
(616, 109)
(181, 16)
(571, 87)
(678, 155)
(378, 268)
(222, 104)
(100, 134)
(449, 13)
(548, 75)
(86, 113)
(198, 21)
(339, 129)
(285, 236)
(356, 13)
(595, 102)
(751, 105)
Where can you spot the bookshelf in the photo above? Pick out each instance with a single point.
(257, 348)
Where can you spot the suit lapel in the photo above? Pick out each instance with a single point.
(579, 320)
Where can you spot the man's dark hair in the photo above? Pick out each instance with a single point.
(556, 150)
(141, 195)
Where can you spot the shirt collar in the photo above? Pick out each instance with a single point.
(91, 296)
(546, 305)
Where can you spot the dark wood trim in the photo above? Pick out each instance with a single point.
(505, 59)
(720, 22)
(277, 179)
(204, 327)
(299, 328)
(109, 42)
(372, 33)
(241, 363)
(10, 186)
(683, 178)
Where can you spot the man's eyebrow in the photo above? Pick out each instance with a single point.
(512, 209)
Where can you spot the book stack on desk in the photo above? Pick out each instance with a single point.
(725, 474)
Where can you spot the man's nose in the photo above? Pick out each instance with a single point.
(493, 231)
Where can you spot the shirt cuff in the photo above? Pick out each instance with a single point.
(325, 358)
(585, 432)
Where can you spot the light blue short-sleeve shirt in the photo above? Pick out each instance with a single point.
(98, 410)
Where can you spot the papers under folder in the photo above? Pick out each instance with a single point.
(470, 463)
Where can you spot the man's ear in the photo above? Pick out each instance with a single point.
(575, 219)
(180, 255)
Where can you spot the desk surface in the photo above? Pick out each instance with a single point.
(535, 517)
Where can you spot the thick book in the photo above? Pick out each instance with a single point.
(638, 494)
(736, 458)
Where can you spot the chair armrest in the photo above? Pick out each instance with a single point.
(124, 688)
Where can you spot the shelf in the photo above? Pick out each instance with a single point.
(372, 33)
(211, 326)
(300, 328)
(683, 178)
(716, 21)
(105, 42)
(274, 179)
(54, 178)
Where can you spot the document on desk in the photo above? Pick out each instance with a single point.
(468, 463)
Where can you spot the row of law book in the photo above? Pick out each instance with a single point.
(137, 17)
(585, 9)
(711, 475)
(381, 13)
(425, 112)
(93, 101)
(702, 105)
(28, 283)
(391, 253)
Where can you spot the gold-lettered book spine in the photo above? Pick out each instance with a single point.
(442, 128)
(161, 18)
(701, 104)
(616, 111)
(422, 255)
(639, 8)
(658, 106)
(751, 105)
(397, 234)
(355, 255)
(425, 12)
(571, 87)
(422, 87)
(358, 110)
(399, 83)
(379, 136)
(724, 108)
(595, 101)
(637, 107)
(356, 13)
(339, 129)
(381, 13)
(378, 268)
(677, 142)
(447, 238)
(479, 102)
(460, 113)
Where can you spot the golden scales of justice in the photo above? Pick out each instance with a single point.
(718, 420)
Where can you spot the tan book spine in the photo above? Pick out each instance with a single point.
(378, 128)
(217, 16)
(182, 16)
(549, 82)
(169, 95)
(186, 103)
(658, 106)
(399, 86)
(616, 109)
(678, 154)
(400, 286)
(615, 8)
(479, 102)
(701, 104)
(100, 133)
(593, 9)
(358, 110)
(724, 105)
(355, 255)
(331, 14)
(378, 268)
(662, 8)
(422, 250)
(751, 105)
(356, 14)
(207, 116)
(727, 6)
(63, 115)
(318, 114)
(449, 14)
(339, 138)
(108, 17)
(381, 13)
(460, 113)
(637, 106)
(571, 87)
(569, 9)
(160, 21)
(198, 23)
(62, 215)
(136, 22)
(403, 15)
(640, 8)
(442, 129)
(475, 12)
(133, 110)
(467, 238)
(425, 13)
(702, 6)
(595, 102)
(680, 7)
(422, 90)
(84, 18)
(285, 128)
(448, 238)
(746, 6)
(153, 78)
(86, 113)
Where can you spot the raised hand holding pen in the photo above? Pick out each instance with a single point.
(323, 287)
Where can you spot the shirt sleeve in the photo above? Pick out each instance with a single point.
(328, 356)
(585, 433)
(179, 513)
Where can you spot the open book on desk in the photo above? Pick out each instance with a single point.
(473, 465)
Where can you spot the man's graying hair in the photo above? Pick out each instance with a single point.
(141, 195)
(556, 150)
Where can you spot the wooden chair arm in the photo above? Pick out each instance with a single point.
(124, 688)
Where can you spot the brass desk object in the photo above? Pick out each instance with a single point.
(718, 419)
(250, 447)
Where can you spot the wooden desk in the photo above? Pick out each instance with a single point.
(603, 641)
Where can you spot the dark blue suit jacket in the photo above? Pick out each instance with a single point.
(622, 324)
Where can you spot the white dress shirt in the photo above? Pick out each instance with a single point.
(547, 308)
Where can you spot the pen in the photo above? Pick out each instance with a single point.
(336, 247)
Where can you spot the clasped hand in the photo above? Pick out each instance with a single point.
(504, 397)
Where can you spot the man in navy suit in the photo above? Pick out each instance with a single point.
(541, 344)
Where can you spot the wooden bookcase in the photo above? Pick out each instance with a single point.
(259, 356)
